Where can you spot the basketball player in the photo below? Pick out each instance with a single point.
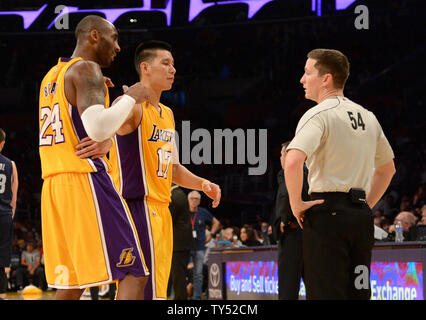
(146, 162)
(8, 196)
(341, 143)
(89, 236)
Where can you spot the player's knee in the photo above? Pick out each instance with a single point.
(142, 281)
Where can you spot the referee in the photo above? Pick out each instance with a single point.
(350, 165)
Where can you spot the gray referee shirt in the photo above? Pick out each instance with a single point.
(343, 143)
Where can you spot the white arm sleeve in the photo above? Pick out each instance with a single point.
(101, 123)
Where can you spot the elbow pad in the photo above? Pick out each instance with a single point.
(101, 123)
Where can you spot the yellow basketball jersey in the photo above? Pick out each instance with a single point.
(142, 160)
(61, 127)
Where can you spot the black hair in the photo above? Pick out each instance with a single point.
(146, 51)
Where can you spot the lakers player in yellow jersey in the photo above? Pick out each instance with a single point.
(89, 237)
(145, 162)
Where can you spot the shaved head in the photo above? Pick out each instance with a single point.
(97, 40)
(89, 23)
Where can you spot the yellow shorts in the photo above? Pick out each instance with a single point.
(89, 237)
(154, 224)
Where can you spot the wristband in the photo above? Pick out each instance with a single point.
(203, 183)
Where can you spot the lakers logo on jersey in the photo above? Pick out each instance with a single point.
(161, 134)
(126, 258)
(153, 143)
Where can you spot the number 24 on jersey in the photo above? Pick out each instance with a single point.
(51, 118)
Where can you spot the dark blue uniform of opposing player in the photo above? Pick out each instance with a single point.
(8, 193)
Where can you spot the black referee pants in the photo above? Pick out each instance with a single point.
(338, 238)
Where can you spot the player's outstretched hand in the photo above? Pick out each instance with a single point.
(88, 148)
(212, 190)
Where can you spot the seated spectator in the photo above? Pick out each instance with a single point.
(422, 220)
(30, 270)
(408, 221)
(230, 239)
(379, 233)
(248, 236)
(266, 232)
(378, 221)
(225, 238)
(385, 224)
(418, 232)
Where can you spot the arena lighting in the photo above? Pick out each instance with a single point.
(28, 16)
(113, 14)
(340, 5)
(195, 8)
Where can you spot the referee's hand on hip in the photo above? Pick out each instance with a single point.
(300, 208)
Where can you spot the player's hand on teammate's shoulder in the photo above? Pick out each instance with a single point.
(108, 82)
(137, 91)
(88, 148)
(212, 190)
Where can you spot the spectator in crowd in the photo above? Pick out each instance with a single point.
(422, 220)
(199, 218)
(248, 236)
(408, 220)
(418, 231)
(230, 238)
(377, 221)
(266, 234)
(385, 224)
(236, 242)
(30, 270)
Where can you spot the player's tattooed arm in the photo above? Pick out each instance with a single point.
(89, 85)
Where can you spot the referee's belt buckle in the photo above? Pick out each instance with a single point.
(357, 195)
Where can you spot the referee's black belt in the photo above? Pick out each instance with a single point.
(355, 195)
